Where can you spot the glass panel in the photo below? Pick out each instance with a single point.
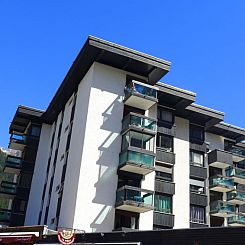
(220, 180)
(163, 203)
(165, 142)
(235, 195)
(125, 141)
(136, 121)
(165, 115)
(197, 214)
(236, 218)
(222, 207)
(238, 172)
(148, 142)
(196, 158)
(135, 139)
(141, 89)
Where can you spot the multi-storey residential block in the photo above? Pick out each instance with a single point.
(25, 130)
(120, 150)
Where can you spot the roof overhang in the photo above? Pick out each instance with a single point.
(174, 97)
(22, 117)
(228, 131)
(201, 115)
(98, 50)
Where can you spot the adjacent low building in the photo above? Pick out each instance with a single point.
(119, 150)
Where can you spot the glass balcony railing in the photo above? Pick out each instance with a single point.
(222, 207)
(13, 162)
(5, 215)
(236, 195)
(139, 88)
(235, 150)
(236, 219)
(235, 172)
(134, 194)
(139, 121)
(219, 180)
(136, 158)
(8, 187)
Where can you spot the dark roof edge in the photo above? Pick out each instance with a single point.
(102, 45)
(129, 50)
(231, 127)
(206, 111)
(178, 91)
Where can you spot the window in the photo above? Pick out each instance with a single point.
(126, 219)
(196, 134)
(35, 131)
(165, 142)
(138, 140)
(196, 158)
(163, 203)
(197, 189)
(197, 214)
(165, 115)
(163, 176)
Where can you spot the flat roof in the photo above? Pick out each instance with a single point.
(174, 97)
(201, 115)
(22, 117)
(108, 53)
(228, 131)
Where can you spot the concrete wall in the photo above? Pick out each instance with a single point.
(181, 199)
(94, 151)
(39, 174)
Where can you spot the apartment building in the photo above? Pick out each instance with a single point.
(19, 165)
(119, 150)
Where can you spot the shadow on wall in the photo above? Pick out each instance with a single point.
(109, 150)
(104, 219)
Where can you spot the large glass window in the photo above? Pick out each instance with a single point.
(196, 133)
(164, 176)
(197, 214)
(163, 203)
(196, 158)
(165, 142)
(138, 140)
(165, 115)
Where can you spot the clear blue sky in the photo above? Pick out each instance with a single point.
(204, 40)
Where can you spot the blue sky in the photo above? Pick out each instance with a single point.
(204, 40)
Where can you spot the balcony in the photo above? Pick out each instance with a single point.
(165, 187)
(164, 156)
(198, 199)
(220, 159)
(13, 165)
(8, 189)
(134, 199)
(236, 197)
(136, 162)
(203, 147)
(17, 142)
(236, 220)
(139, 122)
(163, 219)
(221, 183)
(198, 172)
(140, 95)
(5, 215)
(237, 174)
(222, 209)
(238, 154)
